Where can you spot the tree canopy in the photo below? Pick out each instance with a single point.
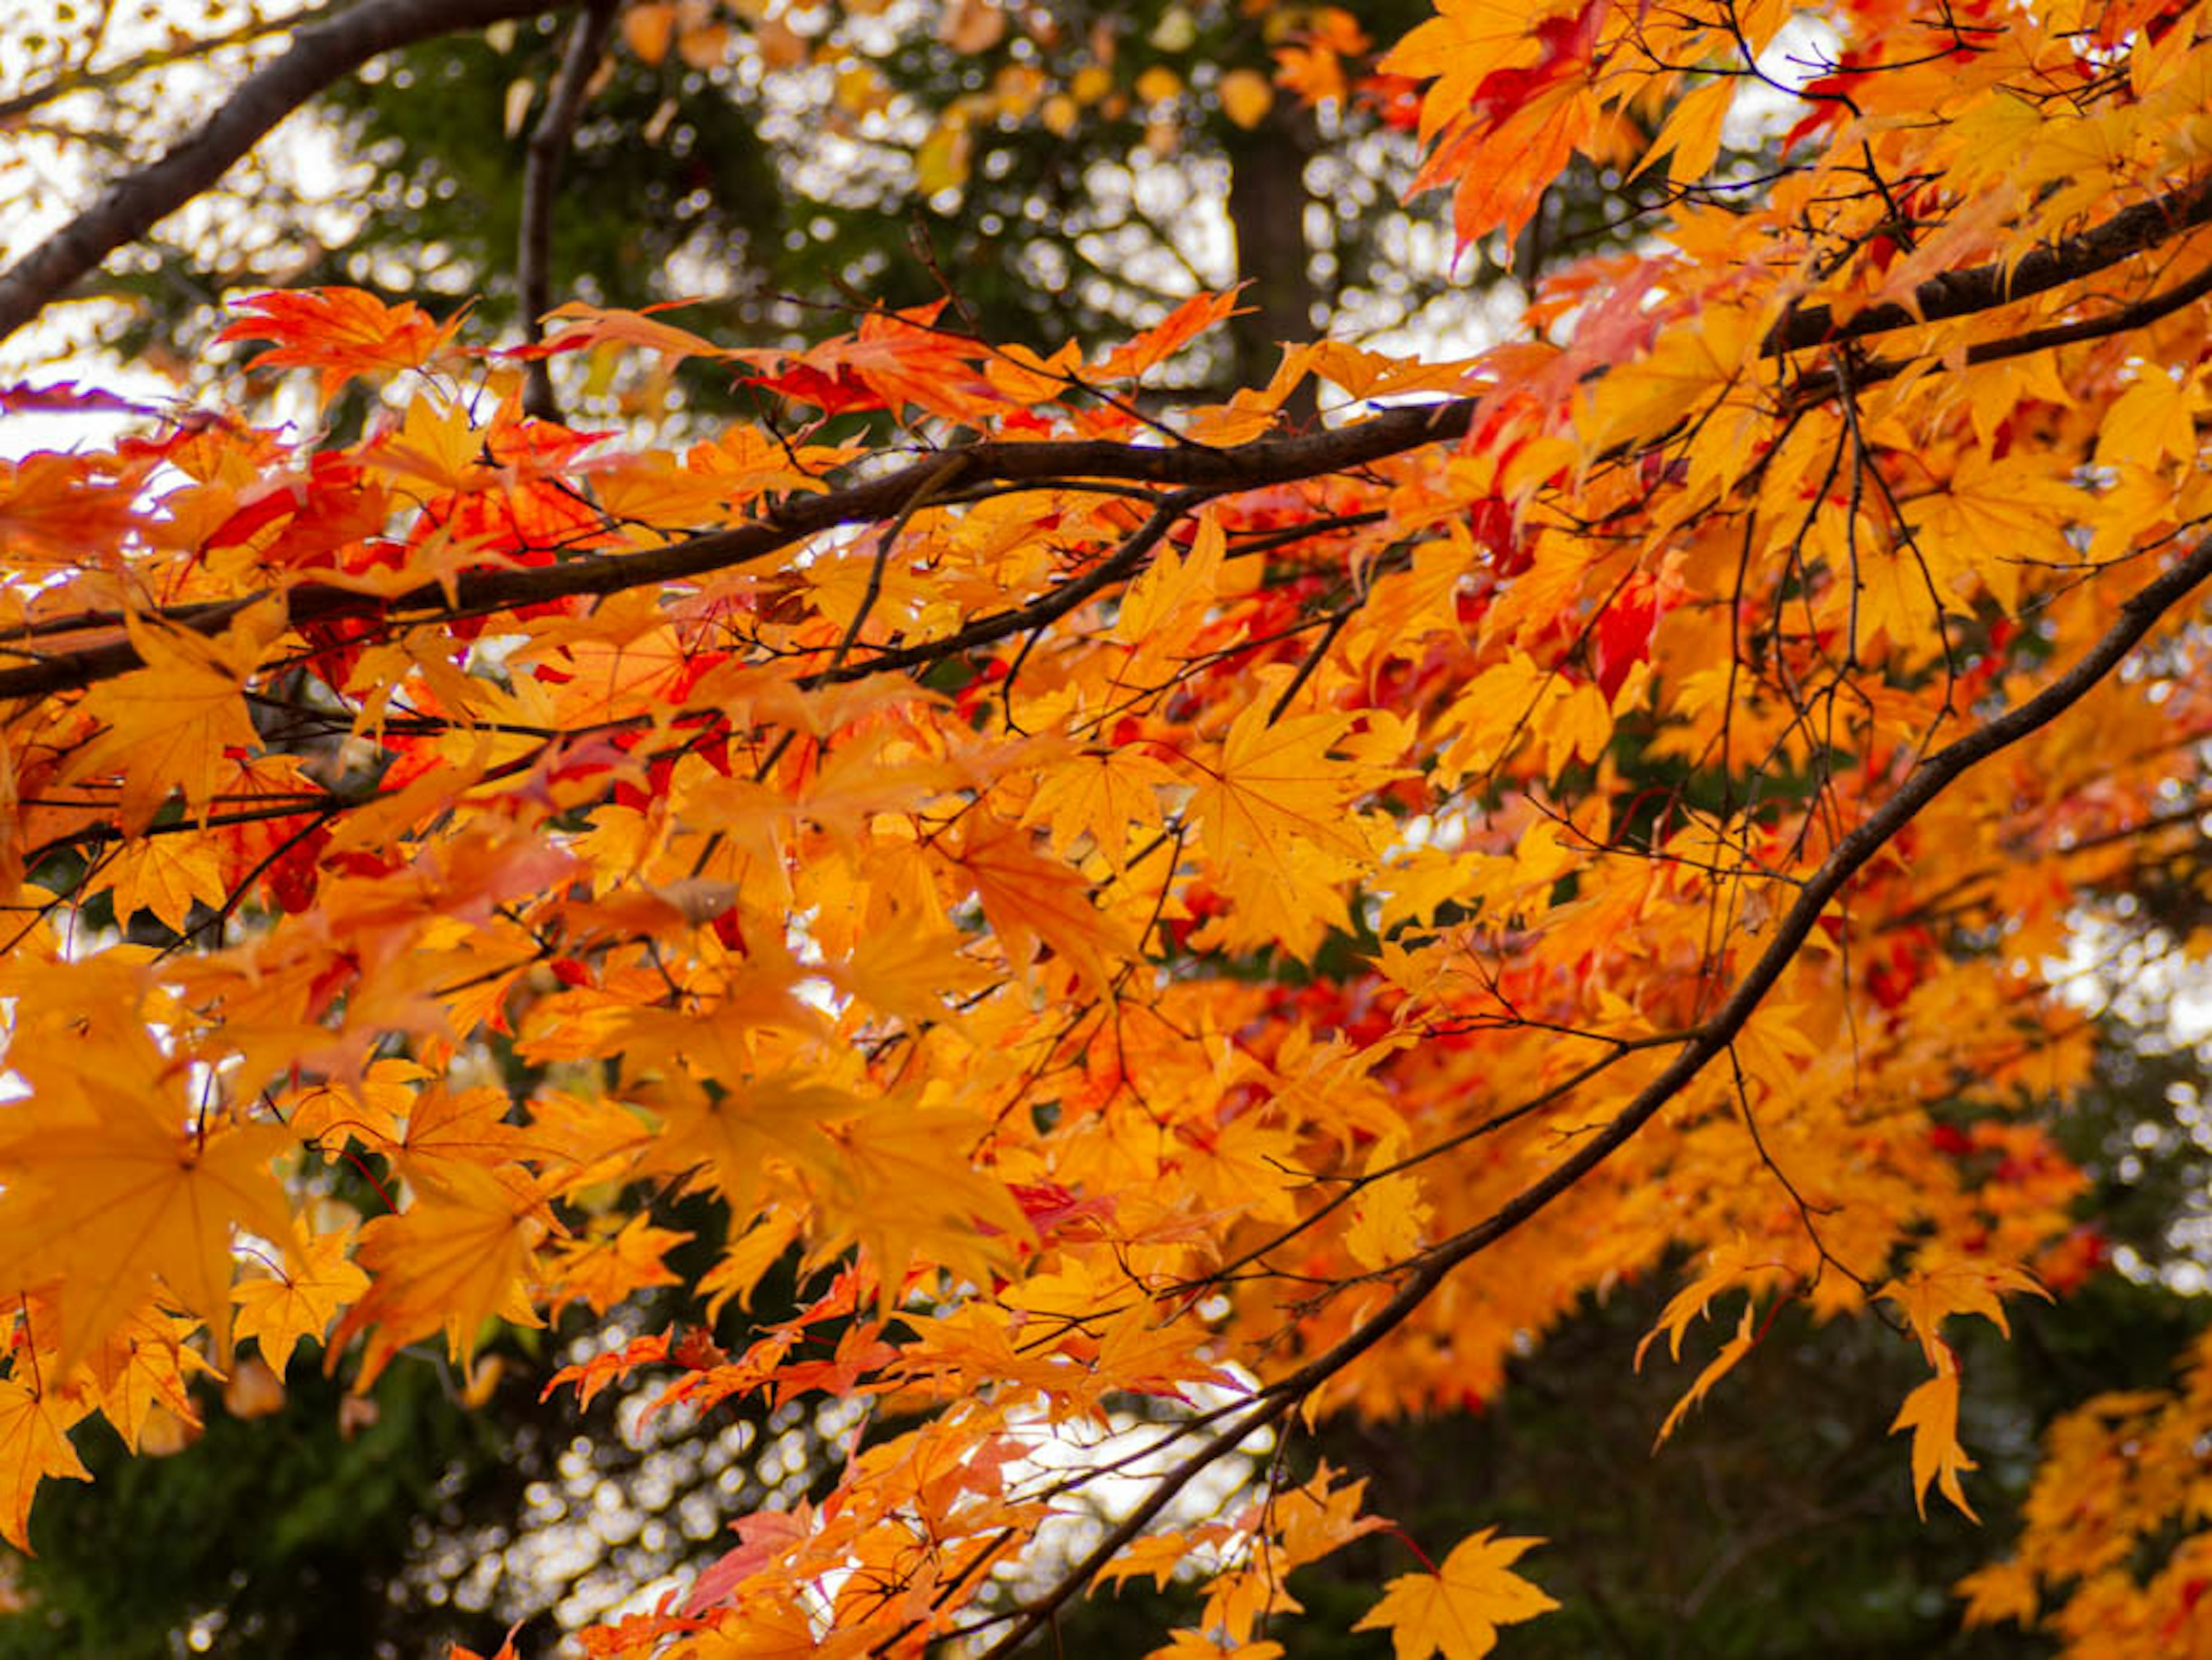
(1159, 917)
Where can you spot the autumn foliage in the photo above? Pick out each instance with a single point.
(1161, 903)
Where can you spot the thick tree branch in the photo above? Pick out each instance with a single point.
(1819, 384)
(1244, 466)
(541, 176)
(1956, 294)
(1935, 773)
(319, 55)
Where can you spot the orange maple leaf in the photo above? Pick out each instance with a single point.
(169, 726)
(136, 1195)
(339, 332)
(464, 1253)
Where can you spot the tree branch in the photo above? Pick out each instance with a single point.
(1818, 384)
(541, 174)
(1955, 293)
(1244, 466)
(319, 55)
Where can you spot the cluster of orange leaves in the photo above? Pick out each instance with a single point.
(944, 889)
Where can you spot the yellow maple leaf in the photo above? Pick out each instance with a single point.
(1161, 607)
(1940, 1286)
(165, 875)
(166, 725)
(2002, 1591)
(902, 1183)
(1992, 519)
(1457, 1611)
(1159, 1554)
(34, 1443)
(611, 1262)
(301, 1297)
(1277, 817)
(744, 1262)
(1465, 42)
(462, 1253)
(1691, 136)
(109, 1206)
(1733, 1350)
(732, 1130)
(1185, 1644)
(1688, 367)
(1931, 1413)
(142, 1367)
(909, 970)
(1101, 794)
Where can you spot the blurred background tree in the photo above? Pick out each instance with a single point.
(1064, 171)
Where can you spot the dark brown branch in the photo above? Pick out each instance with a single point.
(319, 55)
(1935, 773)
(1819, 384)
(541, 176)
(1956, 294)
(1244, 466)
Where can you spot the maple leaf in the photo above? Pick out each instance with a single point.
(166, 727)
(893, 359)
(1931, 1413)
(609, 1263)
(448, 1129)
(593, 325)
(34, 1444)
(1939, 1286)
(1185, 1644)
(2002, 1591)
(142, 1367)
(300, 1296)
(745, 1262)
(1189, 319)
(1456, 1611)
(166, 877)
(341, 333)
(505, 1651)
(135, 1196)
(733, 1131)
(1272, 811)
(590, 1376)
(1032, 900)
(1734, 1349)
(1276, 790)
(902, 1183)
(54, 509)
(463, 1254)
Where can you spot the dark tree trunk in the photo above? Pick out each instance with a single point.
(1266, 208)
